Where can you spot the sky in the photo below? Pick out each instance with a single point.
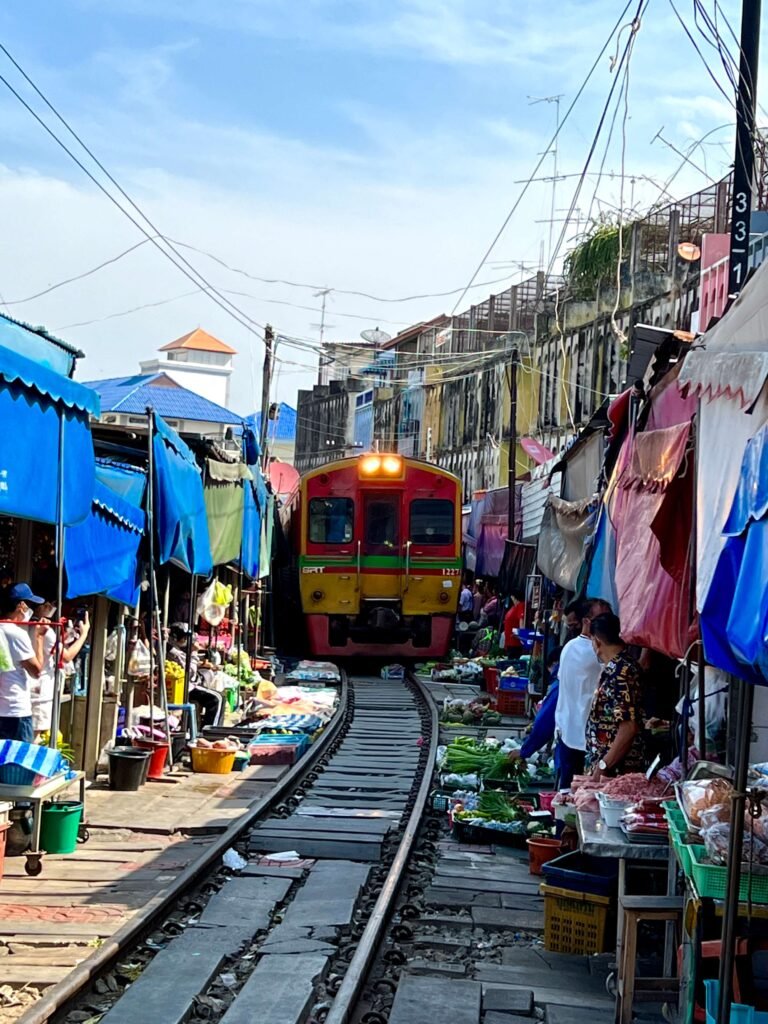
(370, 146)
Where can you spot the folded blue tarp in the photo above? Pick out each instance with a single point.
(180, 515)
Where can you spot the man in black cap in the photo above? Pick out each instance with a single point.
(25, 645)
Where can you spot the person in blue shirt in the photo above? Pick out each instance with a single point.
(543, 728)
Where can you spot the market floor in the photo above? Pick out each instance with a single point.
(139, 843)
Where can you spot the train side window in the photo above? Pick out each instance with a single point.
(432, 521)
(331, 520)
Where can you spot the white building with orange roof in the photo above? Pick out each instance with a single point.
(199, 362)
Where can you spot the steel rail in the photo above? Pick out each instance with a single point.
(360, 964)
(58, 995)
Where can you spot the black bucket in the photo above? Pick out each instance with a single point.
(128, 768)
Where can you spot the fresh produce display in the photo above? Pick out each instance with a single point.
(475, 712)
(497, 811)
(242, 671)
(173, 673)
(230, 743)
(466, 756)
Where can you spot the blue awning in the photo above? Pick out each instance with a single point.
(35, 404)
(130, 482)
(255, 506)
(180, 516)
(101, 554)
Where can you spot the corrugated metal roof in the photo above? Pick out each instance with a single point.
(284, 429)
(534, 499)
(133, 395)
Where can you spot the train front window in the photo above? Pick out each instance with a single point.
(331, 520)
(432, 521)
(382, 525)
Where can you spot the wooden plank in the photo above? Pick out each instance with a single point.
(60, 929)
(25, 975)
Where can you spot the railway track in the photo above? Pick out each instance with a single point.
(281, 943)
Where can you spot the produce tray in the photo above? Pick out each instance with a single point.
(480, 835)
(583, 872)
(711, 880)
(646, 838)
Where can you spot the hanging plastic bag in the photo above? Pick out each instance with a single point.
(138, 663)
(110, 649)
(214, 601)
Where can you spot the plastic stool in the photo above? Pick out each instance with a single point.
(191, 710)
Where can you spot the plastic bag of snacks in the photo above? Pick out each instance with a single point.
(700, 794)
(717, 840)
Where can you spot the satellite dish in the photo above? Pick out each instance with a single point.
(376, 337)
(689, 252)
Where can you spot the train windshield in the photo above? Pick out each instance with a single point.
(382, 524)
(331, 520)
(432, 521)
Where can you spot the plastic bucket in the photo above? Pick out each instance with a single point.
(158, 756)
(540, 851)
(128, 768)
(59, 826)
(546, 798)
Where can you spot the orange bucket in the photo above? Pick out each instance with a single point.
(542, 850)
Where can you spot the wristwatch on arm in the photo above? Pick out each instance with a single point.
(602, 765)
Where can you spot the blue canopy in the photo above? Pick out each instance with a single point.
(101, 554)
(35, 404)
(180, 516)
(254, 510)
(734, 619)
(130, 482)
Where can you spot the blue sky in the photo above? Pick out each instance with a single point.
(364, 145)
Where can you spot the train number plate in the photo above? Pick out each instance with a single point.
(451, 572)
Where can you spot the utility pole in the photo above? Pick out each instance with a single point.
(322, 294)
(744, 162)
(512, 460)
(266, 384)
(740, 705)
(532, 101)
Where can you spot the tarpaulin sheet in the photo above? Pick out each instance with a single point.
(518, 564)
(652, 604)
(564, 530)
(601, 580)
(180, 517)
(130, 482)
(225, 508)
(101, 554)
(255, 501)
(487, 529)
(734, 620)
(35, 403)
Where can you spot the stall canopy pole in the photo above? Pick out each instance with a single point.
(152, 579)
(190, 635)
(57, 680)
(161, 682)
(743, 700)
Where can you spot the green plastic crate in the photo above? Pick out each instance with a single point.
(677, 833)
(712, 880)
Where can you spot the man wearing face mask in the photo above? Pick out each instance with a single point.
(25, 645)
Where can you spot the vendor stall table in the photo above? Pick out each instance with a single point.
(598, 840)
(37, 795)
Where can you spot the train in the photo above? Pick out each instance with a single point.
(376, 550)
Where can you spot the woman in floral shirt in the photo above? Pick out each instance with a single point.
(615, 724)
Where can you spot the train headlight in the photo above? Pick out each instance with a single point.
(444, 597)
(317, 595)
(370, 465)
(392, 465)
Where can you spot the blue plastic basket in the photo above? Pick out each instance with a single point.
(583, 873)
(740, 1014)
(508, 684)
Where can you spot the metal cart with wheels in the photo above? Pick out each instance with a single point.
(36, 796)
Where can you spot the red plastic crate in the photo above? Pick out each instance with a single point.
(491, 679)
(274, 753)
(511, 703)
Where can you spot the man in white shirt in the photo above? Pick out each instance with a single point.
(579, 675)
(26, 649)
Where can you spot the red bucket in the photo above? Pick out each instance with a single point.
(158, 759)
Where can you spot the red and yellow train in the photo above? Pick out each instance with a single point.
(377, 541)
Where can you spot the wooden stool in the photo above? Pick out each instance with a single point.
(658, 990)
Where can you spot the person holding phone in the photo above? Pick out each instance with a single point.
(43, 687)
(25, 645)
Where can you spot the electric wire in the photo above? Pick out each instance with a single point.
(542, 158)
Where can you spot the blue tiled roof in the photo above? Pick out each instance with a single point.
(133, 395)
(283, 430)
